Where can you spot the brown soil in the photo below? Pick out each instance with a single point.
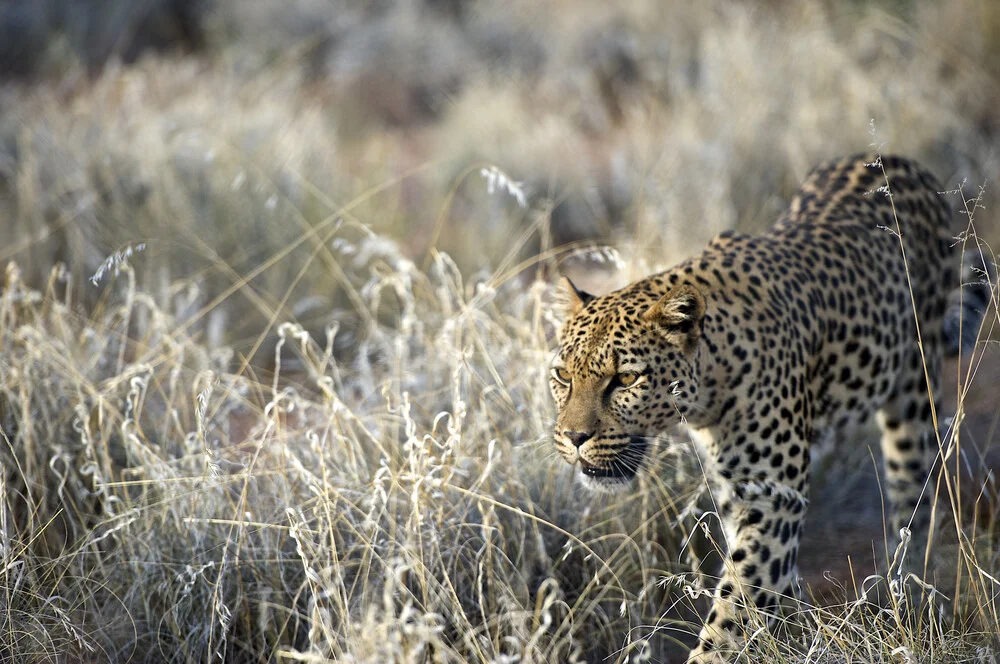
(844, 538)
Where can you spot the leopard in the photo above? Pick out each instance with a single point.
(757, 346)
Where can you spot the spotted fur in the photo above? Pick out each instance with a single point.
(756, 345)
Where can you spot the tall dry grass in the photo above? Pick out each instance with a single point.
(160, 506)
(403, 506)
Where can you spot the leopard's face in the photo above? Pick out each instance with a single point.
(623, 374)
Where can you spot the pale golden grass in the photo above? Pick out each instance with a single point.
(399, 503)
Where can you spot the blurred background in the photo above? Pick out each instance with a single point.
(227, 142)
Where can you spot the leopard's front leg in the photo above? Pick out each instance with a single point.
(762, 521)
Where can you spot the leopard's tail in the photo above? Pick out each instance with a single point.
(968, 305)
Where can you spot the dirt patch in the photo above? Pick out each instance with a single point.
(845, 534)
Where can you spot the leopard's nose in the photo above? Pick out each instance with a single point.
(578, 438)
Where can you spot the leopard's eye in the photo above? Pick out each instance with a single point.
(626, 379)
(561, 375)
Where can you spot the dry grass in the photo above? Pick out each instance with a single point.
(401, 506)
(309, 421)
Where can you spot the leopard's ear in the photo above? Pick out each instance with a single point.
(678, 316)
(576, 298)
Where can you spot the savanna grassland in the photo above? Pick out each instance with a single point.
(279, 298)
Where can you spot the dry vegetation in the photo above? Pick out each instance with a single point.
(307, 418)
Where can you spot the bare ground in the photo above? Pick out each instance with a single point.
(845, 534)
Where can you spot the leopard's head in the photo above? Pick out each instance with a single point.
(624, 372)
